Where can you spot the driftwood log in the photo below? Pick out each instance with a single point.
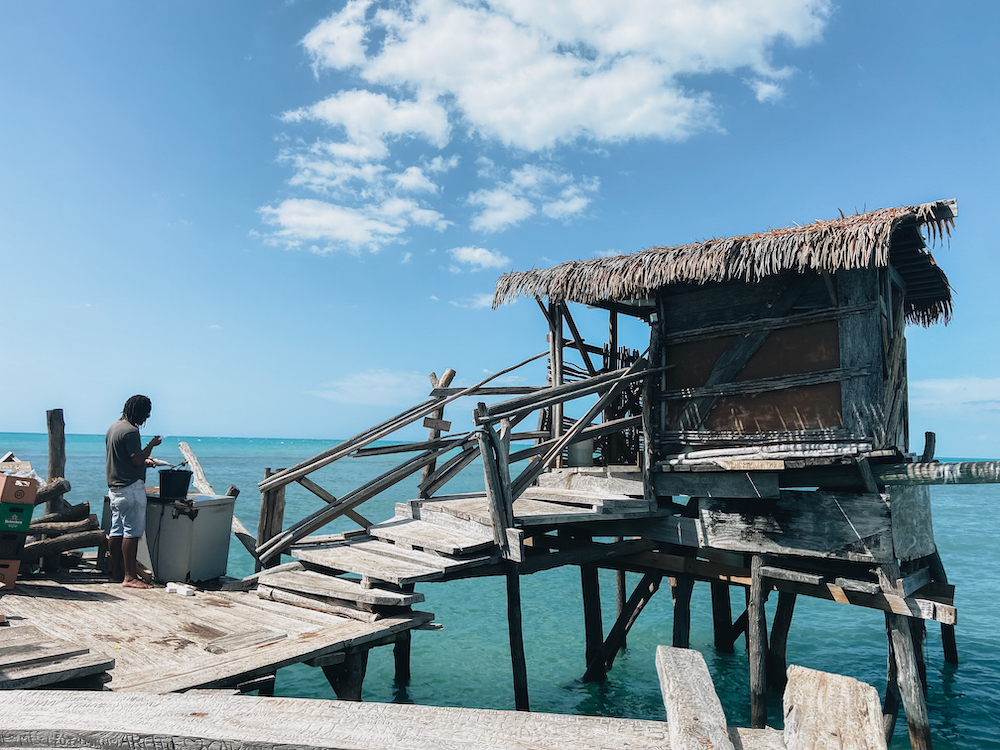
(79, 540)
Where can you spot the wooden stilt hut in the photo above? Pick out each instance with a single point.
(777, 403)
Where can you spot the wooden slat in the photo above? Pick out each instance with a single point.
(38, 675)
(429, 536)
(246, 639)
(828, 712)
(694, 714)
(189, 722)
(309, 582)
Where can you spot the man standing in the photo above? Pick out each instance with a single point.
(126, 473)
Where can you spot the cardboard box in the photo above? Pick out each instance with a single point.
(15, 517)
(8, 573)
(17, 490)
(12, 544)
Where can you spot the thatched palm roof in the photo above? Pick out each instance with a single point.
(877, 238)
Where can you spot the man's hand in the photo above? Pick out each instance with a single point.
(154, 442)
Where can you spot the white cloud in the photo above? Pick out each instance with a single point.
(530, 77)
(524, 192)
(475, 302)
(303, 221)
(956, 394)
(479, 257)
(375, 388)
(406, 257)
(766, 91)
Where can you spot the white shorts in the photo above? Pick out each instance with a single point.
(128, 510)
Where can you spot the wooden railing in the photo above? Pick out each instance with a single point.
(491, 439)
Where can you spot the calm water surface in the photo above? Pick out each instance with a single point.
(468, 664)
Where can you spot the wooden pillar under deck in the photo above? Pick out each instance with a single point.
(757, 644)
(518, 663)
(722, 617)
(681, 587)
(401, 657)
(776, 665)
(346, 678)
(593, 629)
(271, 519)
(890, 706)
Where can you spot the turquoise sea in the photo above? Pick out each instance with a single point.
(468, 663)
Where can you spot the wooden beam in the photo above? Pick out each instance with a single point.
(722, 617)
(695, 719)
(629, 613)
(776, 667)
(757, 643)
(516, 634)
(578, 339)
(197, 473)
(593, 629)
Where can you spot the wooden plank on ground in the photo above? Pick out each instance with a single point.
(50, 673)
(186, 722)
(528, 512)
(615, 480)
(827, 712)
(256, 662)
(694, 714)
(592, 500)
(246, 639)
(317, 584)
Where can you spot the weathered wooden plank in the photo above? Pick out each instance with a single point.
(594, 501)
(309, 582)
(198, 478)
(47, 650)
(341, 557)
(614, 480)
(695, 717)
(757, 643)
(846, 526)
(255, 662)
(783, 574)
(246, 639)
(920, 607)
(828, 712)
(700, 569)
(319, 604)
(191, 722)
(430, 536)
(912, 527)
(51, 673)
(745, 484)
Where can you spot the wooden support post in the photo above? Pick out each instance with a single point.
(347, 677)
(648, 419)
(56, 427)
(434, 433)
(615, 641)
(269, 523)
(757, 643)
(517, 661)
(593, 629)
(556, 369)
(911, 690)
(621, 597)
(947, 631)
(681, 587)
(890, 706)
(401, 657)
(776, 665)
(722, 617)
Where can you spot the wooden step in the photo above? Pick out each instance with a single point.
(382, 561)
(317, 584)
(425, 535)
(594, 501)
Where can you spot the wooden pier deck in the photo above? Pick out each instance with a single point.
(160, 642)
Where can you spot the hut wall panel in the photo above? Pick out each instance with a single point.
(861, 346)
(810, 407)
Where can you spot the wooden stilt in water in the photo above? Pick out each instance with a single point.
(722, 617)
(593, 629)
(757, 644)
(680, 588)
(517, 660)
(621, 597)
(616, 638)
(56, 427)
(947, 631)
(890, 706)
(911, 691)
(401, 657)
(346, 678)
(776, 665)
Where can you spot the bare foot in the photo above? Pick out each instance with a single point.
(135, 583)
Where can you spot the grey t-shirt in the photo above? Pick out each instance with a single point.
(122, 443)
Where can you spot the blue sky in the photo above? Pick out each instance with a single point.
(277, 218)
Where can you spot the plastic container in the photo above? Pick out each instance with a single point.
(15, 517)
(12, 544)
(174, 484)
